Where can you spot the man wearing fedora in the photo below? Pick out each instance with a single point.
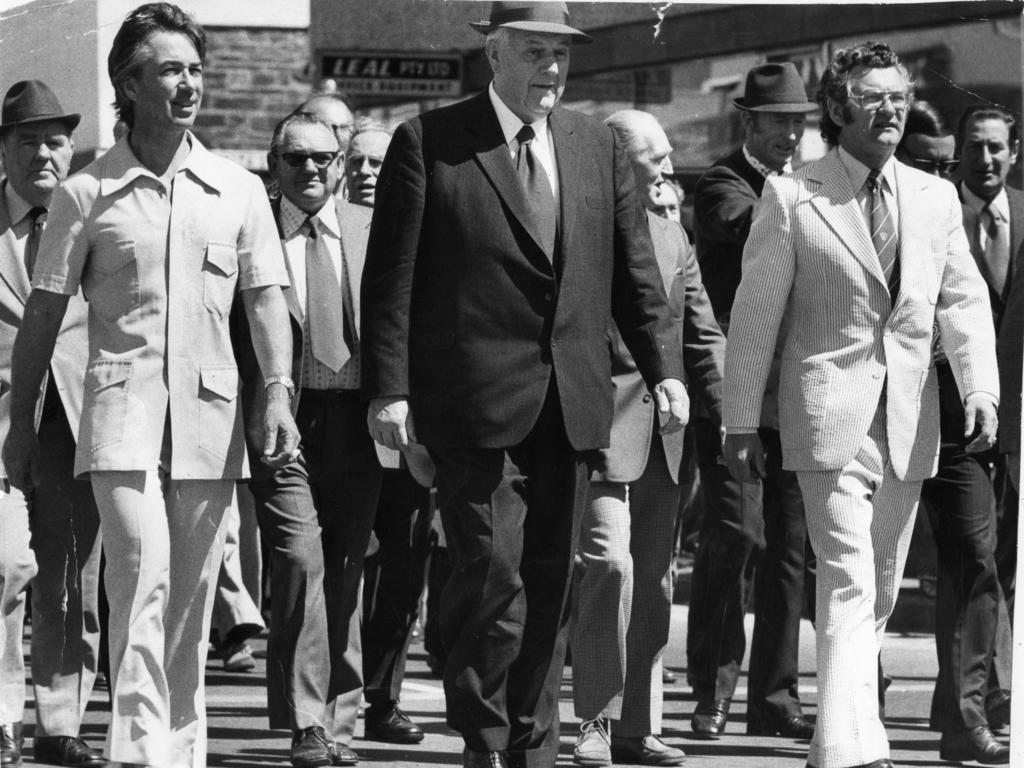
(762, 519)
(488, 293)
(49, 534)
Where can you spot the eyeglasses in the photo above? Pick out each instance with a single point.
(298, 159)
(935, 167)
(872, 100)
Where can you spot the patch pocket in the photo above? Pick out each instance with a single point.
(112, 283)
(220, 276)
(106, 394)
(218, 409)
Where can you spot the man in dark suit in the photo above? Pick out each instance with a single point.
(499, 226)
(317, 511)
(623, 592)
(739, 530)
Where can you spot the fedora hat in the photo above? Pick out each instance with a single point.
(31, 101)
(775, 88)
(540, 16)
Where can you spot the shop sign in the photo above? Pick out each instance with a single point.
(402, 74)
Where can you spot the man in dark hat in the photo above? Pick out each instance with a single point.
(765, 518)
(488, 290)
(59, 512)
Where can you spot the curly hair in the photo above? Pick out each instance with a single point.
(127, 50)
(835, 80)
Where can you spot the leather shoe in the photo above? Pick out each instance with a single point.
(311, 748)
(65, 750)
(997, 710)
(976, 743)
(386, 722)
(645, 750)
(709, 718)
(761, 723)
(473, 759)
(343, 754)
(11, 742)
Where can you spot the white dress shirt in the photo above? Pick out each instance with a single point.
(542, 146)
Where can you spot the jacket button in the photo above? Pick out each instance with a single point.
(647, 398)
(548, 297)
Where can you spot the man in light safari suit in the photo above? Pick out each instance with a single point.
(858, 397)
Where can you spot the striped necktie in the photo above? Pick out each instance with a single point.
(883, 233)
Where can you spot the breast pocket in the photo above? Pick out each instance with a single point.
(106, 402)
(112, 282)
(220, 276)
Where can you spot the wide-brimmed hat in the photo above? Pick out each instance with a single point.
(31, 101)
(775, 87)
(540, 16)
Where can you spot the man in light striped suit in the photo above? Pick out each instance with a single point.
(863, 256)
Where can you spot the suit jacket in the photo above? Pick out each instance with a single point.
(703, 346)
(810, 256)
(71, 353)
(354, 221)
(467, 316)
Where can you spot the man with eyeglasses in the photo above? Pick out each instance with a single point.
(856, 257)
(316, 512)
(960, 504)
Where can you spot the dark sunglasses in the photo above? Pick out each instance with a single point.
(940, 167)
(298, 159)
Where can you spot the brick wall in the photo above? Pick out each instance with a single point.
(253, 78)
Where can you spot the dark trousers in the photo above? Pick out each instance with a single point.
(316, 515)
(510, 519)
(393, 582)
(741, 536)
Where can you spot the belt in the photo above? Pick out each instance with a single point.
(331, 396)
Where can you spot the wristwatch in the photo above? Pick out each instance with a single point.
(284, 381)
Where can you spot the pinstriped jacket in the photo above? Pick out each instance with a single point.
(810, 258)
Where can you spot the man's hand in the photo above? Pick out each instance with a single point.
(744, 456)
(673, 405)
(980, 416)
(21, 454)
(390, 422)
(280, 435)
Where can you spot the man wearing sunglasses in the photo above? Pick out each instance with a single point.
(317, 511)
(851, 262)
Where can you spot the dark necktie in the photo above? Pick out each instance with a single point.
(883, 233)
(38, 217)
(538, 189)
(325, 313)
(997, 259)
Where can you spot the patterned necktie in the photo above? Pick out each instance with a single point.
(997, 258)
(538, 189)
(883, 233)
(38, 218)
(325, 316)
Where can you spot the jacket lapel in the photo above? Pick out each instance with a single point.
(12, 271)
(568, 162)
(908, 196)
(836, 203)
(353, 248)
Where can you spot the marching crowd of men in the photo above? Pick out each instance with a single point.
(493, 303)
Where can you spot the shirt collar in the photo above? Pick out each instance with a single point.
(1000, 203)
(763, 169)
(17, 207)
(293, 217)
(510, 124)
(122, 167)
(858, 172)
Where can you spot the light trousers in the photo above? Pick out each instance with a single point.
(163, 541)
(859, 520)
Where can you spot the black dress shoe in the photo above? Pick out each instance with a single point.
(761, 723)
(709, 718)
(973, 744)
(997, 710)
(344, 755)
(386, 722)
(473, 759)
(311, 748)
(65, 750)
(11, 742)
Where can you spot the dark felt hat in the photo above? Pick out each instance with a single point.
(31, 101)
(540, 16)
(775, 87)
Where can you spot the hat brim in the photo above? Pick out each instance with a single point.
(546, 27)
(788, 107)
(71, 121)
